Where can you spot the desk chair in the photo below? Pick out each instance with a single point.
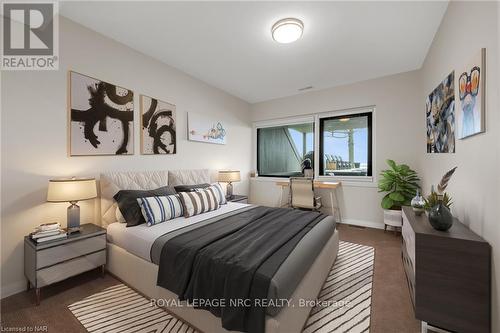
(302, 194)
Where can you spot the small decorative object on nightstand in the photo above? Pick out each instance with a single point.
(418, 203)
(54, 261)
(229, 177)
(239, 198)
(439, 203)
(72, 190)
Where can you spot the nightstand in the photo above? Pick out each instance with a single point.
(54, 261)
(238, 198)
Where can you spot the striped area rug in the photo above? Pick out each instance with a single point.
(119, 309)
(346, 293)
(346, 297)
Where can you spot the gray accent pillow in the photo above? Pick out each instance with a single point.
(130, 209)
(190, 188)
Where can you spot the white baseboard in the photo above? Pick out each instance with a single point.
(363, 223)
(13, 288)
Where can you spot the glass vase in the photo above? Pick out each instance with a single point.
(440, 216)
(417, 203)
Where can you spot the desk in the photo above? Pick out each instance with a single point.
(317, 184)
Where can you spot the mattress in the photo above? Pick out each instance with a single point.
(139, 240)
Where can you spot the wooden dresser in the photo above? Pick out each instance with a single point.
(448, 274)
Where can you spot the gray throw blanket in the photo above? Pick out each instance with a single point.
(233, 259)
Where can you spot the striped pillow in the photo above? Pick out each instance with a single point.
(199, 202)
(219, 192)
(160, 209)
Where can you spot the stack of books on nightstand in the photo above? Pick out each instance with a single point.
(48, 232)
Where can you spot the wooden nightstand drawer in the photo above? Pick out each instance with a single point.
(409, 241)
(69, 268)
(57, 254)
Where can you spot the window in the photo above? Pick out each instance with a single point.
(346, 145)
(282, 151)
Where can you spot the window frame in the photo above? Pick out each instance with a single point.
(356, 181)
(309, 120)
(369, 162)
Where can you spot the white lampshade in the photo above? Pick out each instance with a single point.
(71, 189)
(229, 176)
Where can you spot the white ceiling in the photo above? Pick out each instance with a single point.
(229, 44)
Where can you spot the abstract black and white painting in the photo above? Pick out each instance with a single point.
(440, 116)
(158, 127)
(102, 117)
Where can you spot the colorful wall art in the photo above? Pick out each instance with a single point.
(440, 115)
(158, 127)
(101, 117)
(471, 97)
(204, 128)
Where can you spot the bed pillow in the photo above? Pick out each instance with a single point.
(219, 193)
(190, 188)
(199, 202)
(130, 209)
(160, 209)
(119, 216)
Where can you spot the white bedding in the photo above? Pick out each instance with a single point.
(139, 239)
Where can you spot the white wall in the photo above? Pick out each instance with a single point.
(401, 132)
(475, 185)
(34, 137)
(398, 110)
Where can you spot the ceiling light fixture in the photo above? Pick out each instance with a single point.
(344, 119)
(287, 30)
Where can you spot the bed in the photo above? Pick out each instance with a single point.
(132, 258)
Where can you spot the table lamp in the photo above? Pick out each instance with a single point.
(72, 190)
(229, 177)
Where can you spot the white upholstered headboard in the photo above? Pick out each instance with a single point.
(112, 182)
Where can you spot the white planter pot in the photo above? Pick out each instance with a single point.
(393, 217)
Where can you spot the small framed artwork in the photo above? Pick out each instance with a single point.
(158, 127)
(471, 96)
(101, 117)
(205, 128)
(440, 117)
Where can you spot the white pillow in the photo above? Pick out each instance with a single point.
(160, 209)
(199, 202)
(218, 191)
(119, 216)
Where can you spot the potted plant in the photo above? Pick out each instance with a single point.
(433, 199)
(438, 204)
(400, 183)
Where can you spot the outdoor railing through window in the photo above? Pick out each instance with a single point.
(339, 143)
(346, 145)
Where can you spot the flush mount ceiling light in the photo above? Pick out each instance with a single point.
(287, 30)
